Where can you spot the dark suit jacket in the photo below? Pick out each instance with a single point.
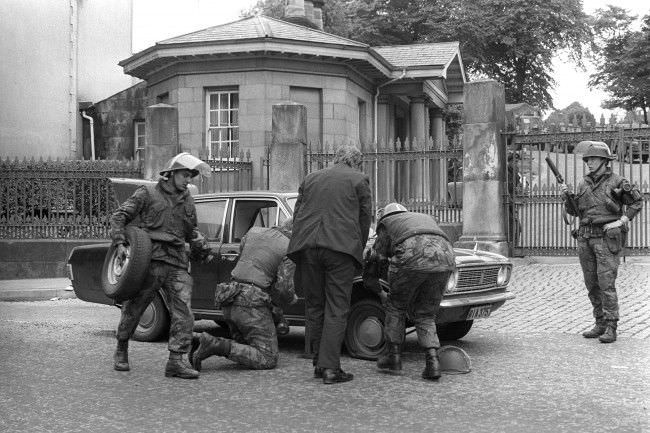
(333, 211)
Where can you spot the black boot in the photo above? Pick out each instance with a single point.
(609, 336)
(178, 367)
(208, 346)
(596, 331)
(121, 357)
(432, 367)
(392, 360)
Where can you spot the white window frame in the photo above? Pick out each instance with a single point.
(226, 145)
(138, 140)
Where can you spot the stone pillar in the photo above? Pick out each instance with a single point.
(288, 139)
(439, 170)
(484, 167)
(418, 140)
(161, 138)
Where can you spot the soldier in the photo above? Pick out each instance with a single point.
(420, 259)
(168, 215)
(605, 203)
(262, 279)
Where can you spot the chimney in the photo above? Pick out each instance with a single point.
(294, 9)
(317, 14)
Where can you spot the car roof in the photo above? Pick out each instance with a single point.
(246, 194)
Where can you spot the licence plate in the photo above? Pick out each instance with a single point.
(479, 312)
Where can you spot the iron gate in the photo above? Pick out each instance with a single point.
(533, 204)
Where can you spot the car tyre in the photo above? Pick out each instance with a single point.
(454, 330)
(121, 280)
(364, 335)
(154, 322)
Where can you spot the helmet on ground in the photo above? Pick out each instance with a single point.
(454, 360)
(596, 149)
(186, 161)
(392, 208)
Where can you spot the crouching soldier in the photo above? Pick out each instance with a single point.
(420, 259)
(168, 215)
(262, 279)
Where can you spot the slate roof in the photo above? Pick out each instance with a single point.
(261, 26)
(419, 55)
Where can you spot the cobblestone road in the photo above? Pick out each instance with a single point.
(553, 297)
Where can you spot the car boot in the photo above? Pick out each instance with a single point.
(392, 360)
(121, 357)
(596, 331)
(609, 336)
(178, 367)
(208, 346)
(432, 366)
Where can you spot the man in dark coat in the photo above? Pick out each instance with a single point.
(330, 228)
(420, 259)
(168, 215)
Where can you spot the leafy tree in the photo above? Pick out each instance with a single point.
(575, 114)
(623, 60)
(511, 41)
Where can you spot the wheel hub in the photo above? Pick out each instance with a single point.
(371, 332)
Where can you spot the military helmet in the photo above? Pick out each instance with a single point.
(598, 149)
(186, 161)
(454, 360)
(392, 208)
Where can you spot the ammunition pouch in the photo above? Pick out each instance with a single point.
(615, 239)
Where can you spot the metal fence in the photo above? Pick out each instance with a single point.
(228, 174)
(415, 173)
(59, 199)
(536, 225)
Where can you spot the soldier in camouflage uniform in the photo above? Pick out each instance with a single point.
(166, 212)
(420, 260)
(262, 279)
(605, 203)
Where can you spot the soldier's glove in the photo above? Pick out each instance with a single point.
(622, 221)
(122, 252)
(564, 189)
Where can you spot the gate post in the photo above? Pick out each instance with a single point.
(484, 167)
(288, 139)
(161, 138)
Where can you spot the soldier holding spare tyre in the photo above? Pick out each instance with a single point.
(166, 212)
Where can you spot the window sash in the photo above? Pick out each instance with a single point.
(222, 129)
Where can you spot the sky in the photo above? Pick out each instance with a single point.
(156, 20)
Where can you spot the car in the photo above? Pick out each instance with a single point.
(476, 289)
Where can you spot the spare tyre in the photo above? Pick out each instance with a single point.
(122, 277)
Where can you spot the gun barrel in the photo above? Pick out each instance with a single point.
(554, 169)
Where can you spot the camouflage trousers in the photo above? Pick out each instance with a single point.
(176, 284)
(600, 268)
(249, 317)
(415, 295)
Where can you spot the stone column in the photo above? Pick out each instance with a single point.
(484, 167)
(418, 140)
(439, 170)
(161, 138)
(288, 139)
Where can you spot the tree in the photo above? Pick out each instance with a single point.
(623, 60)
(511, 41)
(575, 114)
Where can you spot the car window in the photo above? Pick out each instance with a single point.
(255, 213)
(291, 201)
(211, 218)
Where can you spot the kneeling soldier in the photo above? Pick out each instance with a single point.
(261, 280)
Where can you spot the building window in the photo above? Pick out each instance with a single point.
(362, 134)
(222, 118)
(138, 140)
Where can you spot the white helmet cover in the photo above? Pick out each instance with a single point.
(187, 161)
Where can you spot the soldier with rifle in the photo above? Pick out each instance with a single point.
(605, 203)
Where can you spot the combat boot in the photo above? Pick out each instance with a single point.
(121, 357)
(178, 367)
(609, 336)
(208, 346)
(392, 360)
(596, 331)
(432, 367)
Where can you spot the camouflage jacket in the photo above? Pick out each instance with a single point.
(168, 216)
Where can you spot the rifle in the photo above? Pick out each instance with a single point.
(570, 198)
